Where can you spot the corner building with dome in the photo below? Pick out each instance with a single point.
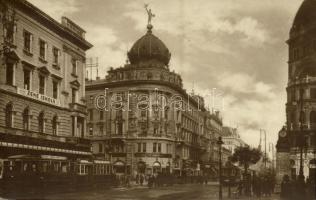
(133, 123)
(300, 126)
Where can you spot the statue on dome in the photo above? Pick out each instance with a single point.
(150, 14)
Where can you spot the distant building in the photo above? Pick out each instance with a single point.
(232, 139)
(135, 119)
(301, 96)
(42, 85)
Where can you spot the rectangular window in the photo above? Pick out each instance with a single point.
(55, 89)
(313, 93)
(74, 95)
(28, 39)
(154, 147)
(168, 148)
(101, 114)
(41, 84)
(27, 79)
(144, 148)
(139, 147)
(42, 49)
(100, 148)
(101, 129)
(91, 114)
(55, 55)
(159, 147)
(9, 73)
(74, 66)
(143, 113)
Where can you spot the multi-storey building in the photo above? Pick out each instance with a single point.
(142, 119)
(42, 85)
(232, 139)
(301, 96)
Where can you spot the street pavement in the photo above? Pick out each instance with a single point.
(175, 192)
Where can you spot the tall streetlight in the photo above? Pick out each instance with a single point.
(265, 146)
(220, 143)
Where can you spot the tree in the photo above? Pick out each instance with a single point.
(246, 156)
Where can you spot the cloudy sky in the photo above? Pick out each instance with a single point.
(237, 47)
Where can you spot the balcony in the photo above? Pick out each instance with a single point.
(78, 107)
(78, 141)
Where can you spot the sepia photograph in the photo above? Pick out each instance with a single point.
(158, 100)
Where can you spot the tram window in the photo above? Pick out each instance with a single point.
(86, 169)
(64, 168)
(34, 167)
(45, 167)
(81, 169)
(25, 167)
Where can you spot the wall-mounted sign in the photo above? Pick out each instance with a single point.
(38, 96)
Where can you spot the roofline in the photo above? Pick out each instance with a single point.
(41, 17)
(102, 85)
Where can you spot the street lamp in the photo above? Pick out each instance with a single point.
(220, 143)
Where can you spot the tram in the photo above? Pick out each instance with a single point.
(47, 170)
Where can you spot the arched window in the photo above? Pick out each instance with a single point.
(312, 118)
(55, 125)
(41, 122)
(9, 115)
(26, 121)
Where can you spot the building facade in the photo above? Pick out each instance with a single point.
(232, 139)
(143, 121)
(301, 96)
(42, 87)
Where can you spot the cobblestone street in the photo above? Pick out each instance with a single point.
(183, 192)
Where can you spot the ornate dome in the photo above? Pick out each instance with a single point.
(149, 47)
(306, 15)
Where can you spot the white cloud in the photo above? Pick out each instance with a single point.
(57, 8)
(258, 107)
(107, 48)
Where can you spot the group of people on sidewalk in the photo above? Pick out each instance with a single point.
(297, 188)
(258, 186)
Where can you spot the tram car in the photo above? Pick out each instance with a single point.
(53, 171)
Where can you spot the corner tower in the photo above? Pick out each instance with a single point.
(301, 90)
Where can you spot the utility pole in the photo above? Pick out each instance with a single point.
(265, 146)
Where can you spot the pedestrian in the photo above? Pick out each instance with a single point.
(240, 187)
(285, 188)
(137, 178)
(141, 179)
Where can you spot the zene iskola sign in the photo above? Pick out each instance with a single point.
(38, 96)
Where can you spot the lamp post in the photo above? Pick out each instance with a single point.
(220, 143)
